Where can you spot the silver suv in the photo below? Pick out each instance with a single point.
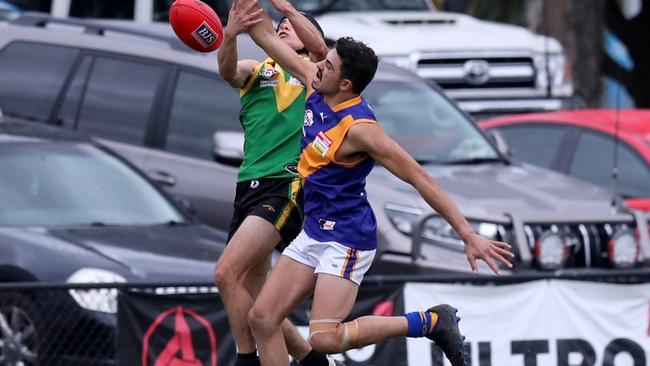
(486, 67)
(166, 110)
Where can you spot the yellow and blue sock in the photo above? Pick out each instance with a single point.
(420, 323)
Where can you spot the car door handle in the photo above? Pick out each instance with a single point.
(162, 178)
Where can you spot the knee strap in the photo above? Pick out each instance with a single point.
(348, 338)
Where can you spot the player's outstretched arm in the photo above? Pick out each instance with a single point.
(235, 72)
(306, 31)
(264, 35)
(371, 139)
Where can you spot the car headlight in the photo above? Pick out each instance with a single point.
(403, 61)
(551, 250)
(438, 230)
(623, 249)
(403, 218)
(101, 300)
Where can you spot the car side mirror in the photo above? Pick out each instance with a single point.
(228, 147)
(500, 142)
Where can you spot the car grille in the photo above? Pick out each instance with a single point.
(478, 73)
(588, 243)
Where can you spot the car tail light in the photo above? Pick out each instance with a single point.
(551, 251)
(623, 249)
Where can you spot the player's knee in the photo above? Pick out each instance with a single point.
(222, 277)
(326, 337)
(261, 320)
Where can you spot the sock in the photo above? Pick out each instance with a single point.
(421, 323)
(247, 359)
(314, 358)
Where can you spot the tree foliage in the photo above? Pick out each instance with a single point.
(634, 34)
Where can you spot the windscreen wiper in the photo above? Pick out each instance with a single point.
(474, 161)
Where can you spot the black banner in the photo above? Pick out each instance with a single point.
(192, 330)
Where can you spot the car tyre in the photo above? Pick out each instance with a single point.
(20, 342)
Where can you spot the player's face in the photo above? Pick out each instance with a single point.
(288, 35)
(328, 78)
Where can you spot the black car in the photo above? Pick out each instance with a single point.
(73, 212)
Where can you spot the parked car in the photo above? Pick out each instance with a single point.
(72, 212)
(159, 105)
(587, 144)
(8, 11)
(487, 67)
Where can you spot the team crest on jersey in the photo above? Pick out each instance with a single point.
(268, 73)
(309, 118)
(321, 144)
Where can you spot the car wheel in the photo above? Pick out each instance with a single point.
(19, 336)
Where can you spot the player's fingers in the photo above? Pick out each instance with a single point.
(472, 263)
(492, 266)
(502, 259)
(501, 244)
(256, 14)
(504, 252)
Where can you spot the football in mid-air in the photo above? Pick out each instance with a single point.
(196, 24)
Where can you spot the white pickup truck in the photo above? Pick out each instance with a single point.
(486, 67)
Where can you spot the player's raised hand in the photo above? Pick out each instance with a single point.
(243, 15)
(489, 251)
(283, 6)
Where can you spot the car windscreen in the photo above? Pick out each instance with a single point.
(75, 184)
(425, 123)
(326, 6)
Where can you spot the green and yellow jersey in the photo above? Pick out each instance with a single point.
(272, 113)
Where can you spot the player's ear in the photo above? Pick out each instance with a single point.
(345, 85)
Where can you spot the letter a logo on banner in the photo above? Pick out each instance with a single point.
(179, 350)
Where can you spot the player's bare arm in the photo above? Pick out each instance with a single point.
(264, 35)
(308, 34)
(235, 72)
(371, 139)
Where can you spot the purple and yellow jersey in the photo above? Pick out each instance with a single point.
(336, 207)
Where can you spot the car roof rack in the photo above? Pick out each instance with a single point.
(37, 19)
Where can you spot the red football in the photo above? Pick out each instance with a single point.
(196, 24)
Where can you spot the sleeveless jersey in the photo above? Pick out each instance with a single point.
(272, 107)
(336, 206)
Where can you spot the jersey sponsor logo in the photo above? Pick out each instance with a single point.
(268, 83)
(309, 118)
(326, 224)
(321, 144)
(204, 35)
(268, 73)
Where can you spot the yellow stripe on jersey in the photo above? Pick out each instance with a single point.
(286, 93)
(348, 103)
(311, 160)
(251, 80)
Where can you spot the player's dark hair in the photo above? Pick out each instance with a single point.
(358, 62)
(312, 20)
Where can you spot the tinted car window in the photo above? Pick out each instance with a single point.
(426, 124)
(594, 159)
(69, 112)
(64, 184)
(534, 144)
(31, 77)
(119, 99)
(201, 106)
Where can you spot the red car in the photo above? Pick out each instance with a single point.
(583, 144)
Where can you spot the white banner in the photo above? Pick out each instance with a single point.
(541, 323)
